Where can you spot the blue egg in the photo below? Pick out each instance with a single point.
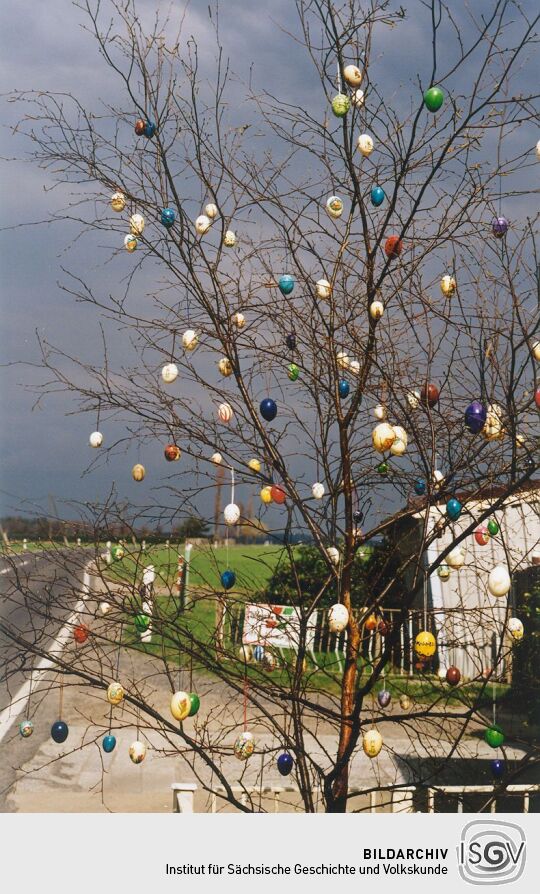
(268, 409)
(343, 388)
(378, 196)
(475, 417)
(498, 768)
(285, 763)
(258, 653)
(149, 129)
(453, 508)
(286, 284)
(59, 731)
(228, 579)
(168, 217)
(109, 743)
(420, 487)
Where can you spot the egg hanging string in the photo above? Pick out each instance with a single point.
(245, 701)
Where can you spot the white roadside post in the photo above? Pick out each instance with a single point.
(107, 554)
(25, 543)
(149, 576)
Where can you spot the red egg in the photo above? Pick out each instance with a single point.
(139, 127)
(537, 398)
(393, 247)
(278, 494)
(430, 395)
(481, 535)
(453, 676)
(172, 453)
(371, 623)
(383, 628)
(81, 633)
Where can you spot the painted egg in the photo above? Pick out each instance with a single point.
(293, 371)
(286, 284)
(239, 320)
(59, 731)
(323, 288)
(180, 705)
(365, 144)
(344, 388)
(142, 622)
(228, 579)
(354, 367)
(254, 464)
(420, 487)
(194, 704)
(202, 224)
(494, 428)
(453, 509)
(136, 224)
(475, 417)
(358, 516)
(499, 581)
(108, 743)
(376, 310)
(137, 752)
(130, 243)
(405, 702)
(429, 395)
(149, 129)
(380, 412)
(357, 98)
(340, 105)
(333, 554)
(372, 742)
(353, 75)
(370, 623)
(104, 607)
(169, 373)
(425, 644)
(334, 206)
(168, 217)
(225, 412)
(269, 661)
(115, 693)
(515, 628)
(81, 633)
(190, 340)
(96, 439)
(443, 571)
(383, 436)
(216, 458)
(338, 618)
(225, 367)
(383, 468)
(398, 448)
(231, 514)
(258, 653)
(342, 360)
(229, 239)
(268, 409)
(481, 535)
(498, 768)
(456, 557)
(437, 478)
(393, 247)
(290, 341)
(138, 472)
(453, 676)
(211, 210)
(172, 453)
(499, 227)
(244, 746)
(26, 728)
(494, 736)
(118, 201)
(535, 349)
(493, 527)
(317, 490)
(245, 654)
(413, 399)
(139, 127)
(118, 553)
(266, 494)
(448, 285)
(278, 494)
(285, 763)
(377, 196)
(433, 99)
(384, 698)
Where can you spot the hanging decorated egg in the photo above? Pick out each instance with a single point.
(190, 340)
(456, 557)
(340, 105)
(225, 412)
(380, 412)
(323, 289)
(399, 446)
(499, 227)
(211, 210)
(142, 622)
(130, 243)
(172, 453)
(383, 436)
(117, 553)
(290, 341)
(254, 464)
(365, 144)
(344, 388)
(149, 129)
(448, 285)
(354, 367)
(383, 468)
(180, 705)
(278, 494)
(258, 653)
(136, 224)
(429, 395)
(168, 217)
(229, 239)
(334, 555)
(494, 736)
(377, 196)
(194, 704)
(118, 201)
(268, 409)
(372, 742)
(498, 768)
(352, 75)
(334, 206)
(384, 698)
(515, 628)
(453, 509)
(108, 743)
(104, 607)
(26, 728)
(137, 752)
(475, 417)
(244, 746)
(481, 535)
(225, 367)
(140, 124)
(245, 654)
(286, 284)
(169, 373)
(420, 487)
(499, 581)
(343, 360)
(266, 494)
(358, 516)
(216, 458)
(115, 693)
(370, 624)
(231, 514)
(228, 579)
(405, 702)
(453, 676)
(425, 644)
(202, 224)
(285, 763)
(138, 472)
(433, 99)
(96, 439)
(393, 247)
(338, 618)
(376, 310)
(81, 633)
(413, 399)
(493, 527)
(536, 350)
(269, 661)
(59, 731)
(357, 98)
(317, 490)
(494, 428)
(443, 571)
(293, 371)
(239, 320)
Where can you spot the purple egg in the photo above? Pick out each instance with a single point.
(384, 698)
(499, 227)
(475, 417)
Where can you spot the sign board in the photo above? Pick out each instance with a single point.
(276, 625)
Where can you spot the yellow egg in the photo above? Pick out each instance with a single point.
(138, 472)
(376, 310)
(130, 243)
(372, 742)
(383, 436)
(266, 494)
(136, 224)
(115, 693)
(255, 465)
(225, 366)
(425, 644)
(180, 705)
(118, 201)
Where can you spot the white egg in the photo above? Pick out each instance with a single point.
(217, 458)
(202, 224)
(333, 555)
(338, 618)
(499, 581)
(211, 210)
(225, 412)
(323, 288)
(365, 144)
(456, 557)
(413, 399)
(342, 360)
(239, 320)
(448, 285)
(136, 224)
(169, 373)
(357, 98)
(515, 628)
(353, 75)
(376, 310)
(317, 490)
(383, 436)
(231, 514)
(190, 340)
(380, 412)
(96, 439)
(334, 206)
(229, 239)
(354, 367)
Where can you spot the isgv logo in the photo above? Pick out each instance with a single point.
(491, 852)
